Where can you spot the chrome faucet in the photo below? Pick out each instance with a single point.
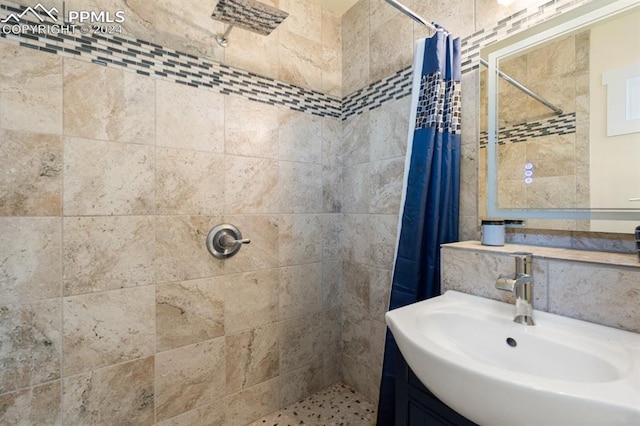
(522, 284)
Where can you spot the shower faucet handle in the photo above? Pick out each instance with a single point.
(224, 241)
(228, 241)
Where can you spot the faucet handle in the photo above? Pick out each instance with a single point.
(506, 282)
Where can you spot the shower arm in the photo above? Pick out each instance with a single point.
(222, 39)
(411, 14)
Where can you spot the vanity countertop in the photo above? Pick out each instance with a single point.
(616, 259)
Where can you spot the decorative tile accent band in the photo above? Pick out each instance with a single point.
(374, 95)
(150, 59)
(399, 84)
(561, 125)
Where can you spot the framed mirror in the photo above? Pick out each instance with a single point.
(560, 121)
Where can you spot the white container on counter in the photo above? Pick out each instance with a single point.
(493, 232)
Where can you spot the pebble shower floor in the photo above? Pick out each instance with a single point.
(337, 405)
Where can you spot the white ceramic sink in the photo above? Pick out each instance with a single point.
(468, 351)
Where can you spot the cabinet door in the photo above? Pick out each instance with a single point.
(421, 416)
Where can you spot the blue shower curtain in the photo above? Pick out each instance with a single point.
(431, 189)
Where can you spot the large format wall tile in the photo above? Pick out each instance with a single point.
(262, 252)
(305, 18)
(107, 253)
(356, 142)
(388, 55)
(300, 290)
(30, 174)
(379, 292)
(608, 296)
(252, 403)
(251, 185)
(299, 136)
(181, 252)
(386, 186)
(121, 110)
(379, 231)
(356, 188)
(389, 126)
(300, 239)
(189, 182)
(356, 338)
(30, 90)
(332, 369)
(332, 344)
(331, 53)
(189, 312)
(298, 384)
(357, 283)
(331, 129)
(355, 52)
(122, 394)
(301, 188)
(106, 328)
(257, 137)
(108, 178)
(251, 300)
(300, 60)
(38, 405)
(333, 347)
(332, 285)
(362, 376)
(30, 259)
(331, 189)
(206, 415)
(189, 118)
(254, 52)
(253, 357)
(457, 16)
(31, 344)
(189, 377)
(299, 344)
(332, 237)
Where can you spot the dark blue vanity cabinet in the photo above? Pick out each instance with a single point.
(416, 406)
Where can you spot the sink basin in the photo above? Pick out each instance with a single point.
(468, 351)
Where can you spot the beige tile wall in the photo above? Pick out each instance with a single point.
(111, 309)
(597, 287)
(108, 191)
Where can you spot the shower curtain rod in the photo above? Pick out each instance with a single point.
(411, 14)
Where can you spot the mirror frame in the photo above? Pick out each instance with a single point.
(567, 23)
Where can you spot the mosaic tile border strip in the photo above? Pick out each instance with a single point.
(150, 59)
(371, 97)
(521, 20)
(561, 125)
(394, 87)
(153, 60)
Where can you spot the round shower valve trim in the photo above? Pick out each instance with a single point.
(225, 240)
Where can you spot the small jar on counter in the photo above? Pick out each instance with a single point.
(493, 232)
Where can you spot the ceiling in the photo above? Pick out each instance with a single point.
(338, 6)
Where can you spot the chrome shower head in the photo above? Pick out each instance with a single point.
(250, 15)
